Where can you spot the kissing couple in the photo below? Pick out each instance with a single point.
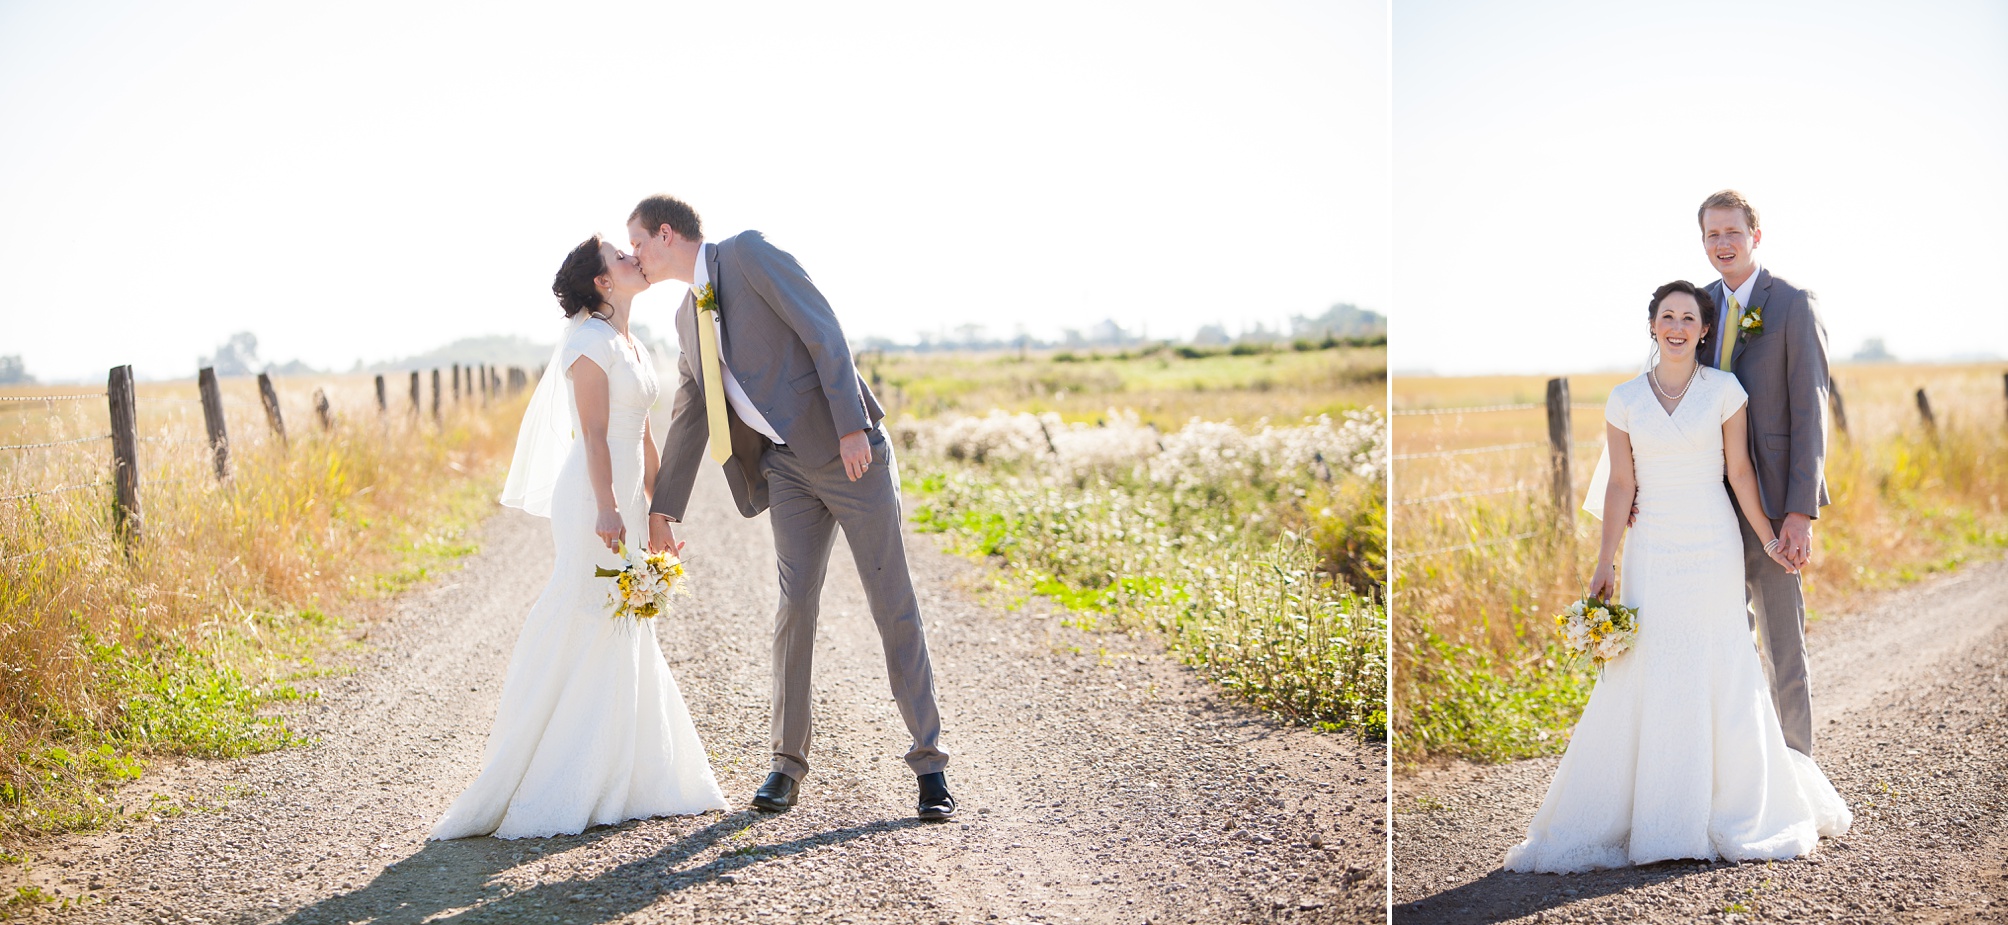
(591, 729)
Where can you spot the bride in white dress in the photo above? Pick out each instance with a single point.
(1679, 753)
(591, 728)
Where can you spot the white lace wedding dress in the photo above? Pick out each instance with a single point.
(1678, 753)
(591, 729)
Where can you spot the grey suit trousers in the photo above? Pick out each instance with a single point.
(808, 503)
(1778, 615)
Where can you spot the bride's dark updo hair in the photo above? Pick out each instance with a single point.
(574, 285)
(1709, 343)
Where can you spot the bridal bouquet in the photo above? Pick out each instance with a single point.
(643, 583)
(1598, 630)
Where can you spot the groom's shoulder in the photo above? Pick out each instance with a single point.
(748, 238)
(1785, 287)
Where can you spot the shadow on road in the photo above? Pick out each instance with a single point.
(450, 881)
(1502, 895)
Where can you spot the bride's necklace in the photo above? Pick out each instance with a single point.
(1653, 375)
(633, 346)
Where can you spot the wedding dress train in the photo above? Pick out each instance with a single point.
(591, 729)
(1679, 753)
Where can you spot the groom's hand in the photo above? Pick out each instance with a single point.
(662, 536)
(856, 449)
(1797, 534)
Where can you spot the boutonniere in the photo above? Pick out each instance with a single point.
(707, 298)
(1751, 324)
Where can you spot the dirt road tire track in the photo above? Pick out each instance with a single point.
(1911, 701)
(1099, 780)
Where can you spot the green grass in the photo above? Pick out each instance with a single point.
(1251, 583)
(190, 643)
(1485, 710)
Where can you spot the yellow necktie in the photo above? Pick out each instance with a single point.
(1735, 326)
(714, 387)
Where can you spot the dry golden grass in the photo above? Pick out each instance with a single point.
(1472, 624)
(100, 641)
(1162, 387)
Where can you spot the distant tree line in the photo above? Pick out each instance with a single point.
(1343, 322)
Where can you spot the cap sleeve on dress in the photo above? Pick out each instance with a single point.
(594, 340)
(1733, 396)
(1616, 412)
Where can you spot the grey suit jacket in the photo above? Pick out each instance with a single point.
(784, 346)
(1784, 370)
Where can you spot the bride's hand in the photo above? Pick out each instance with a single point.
(1604, 584)
(610, 528)
(1776, 550)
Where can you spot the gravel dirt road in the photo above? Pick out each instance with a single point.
(1098, 780)
(1911, 697)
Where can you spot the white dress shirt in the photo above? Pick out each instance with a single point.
(1742, 294)
(735, 394)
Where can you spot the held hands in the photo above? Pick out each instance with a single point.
(610, 528)
(662, 536)
(1604, 584)
(1776, 550)
(1792, 548)
(1795, 541)
(856, 450)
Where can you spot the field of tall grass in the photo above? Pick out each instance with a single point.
(1232, 504)
(111, 655)
(1476, 579)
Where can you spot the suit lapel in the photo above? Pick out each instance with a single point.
(1759, 294)
(718, 292)
(686, 325)
(1716, 294)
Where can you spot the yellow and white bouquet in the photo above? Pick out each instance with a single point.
(1598, 630)
(643, 584)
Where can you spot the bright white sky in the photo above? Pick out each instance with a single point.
(372, 179)
(1549, 158)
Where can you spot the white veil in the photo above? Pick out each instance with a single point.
(1600, 481)
(546, 435)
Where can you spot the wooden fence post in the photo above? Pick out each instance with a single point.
(456, 384)
(125, 455)
(1558, 449)
(322, 411)
(212, 418)
(435, 395)
(1839, 408)
(1924, 411)
(271, 400)
(414, 393)
(383, 401)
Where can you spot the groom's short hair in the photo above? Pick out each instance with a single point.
(1726, 199)
(659, 210)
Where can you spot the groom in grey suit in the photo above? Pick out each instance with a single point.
(1768, 332)
(766, 384)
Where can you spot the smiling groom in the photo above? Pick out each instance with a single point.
(766, 382)
(1769, 334)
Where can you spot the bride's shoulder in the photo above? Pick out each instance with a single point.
(591, 330)
(1628, 389)
(1723, 381)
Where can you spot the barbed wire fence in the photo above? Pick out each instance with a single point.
(1561, 464)
(474, 385)
(1561, 447)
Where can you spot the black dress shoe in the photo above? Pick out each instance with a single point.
(935, 803)
(776, 795)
